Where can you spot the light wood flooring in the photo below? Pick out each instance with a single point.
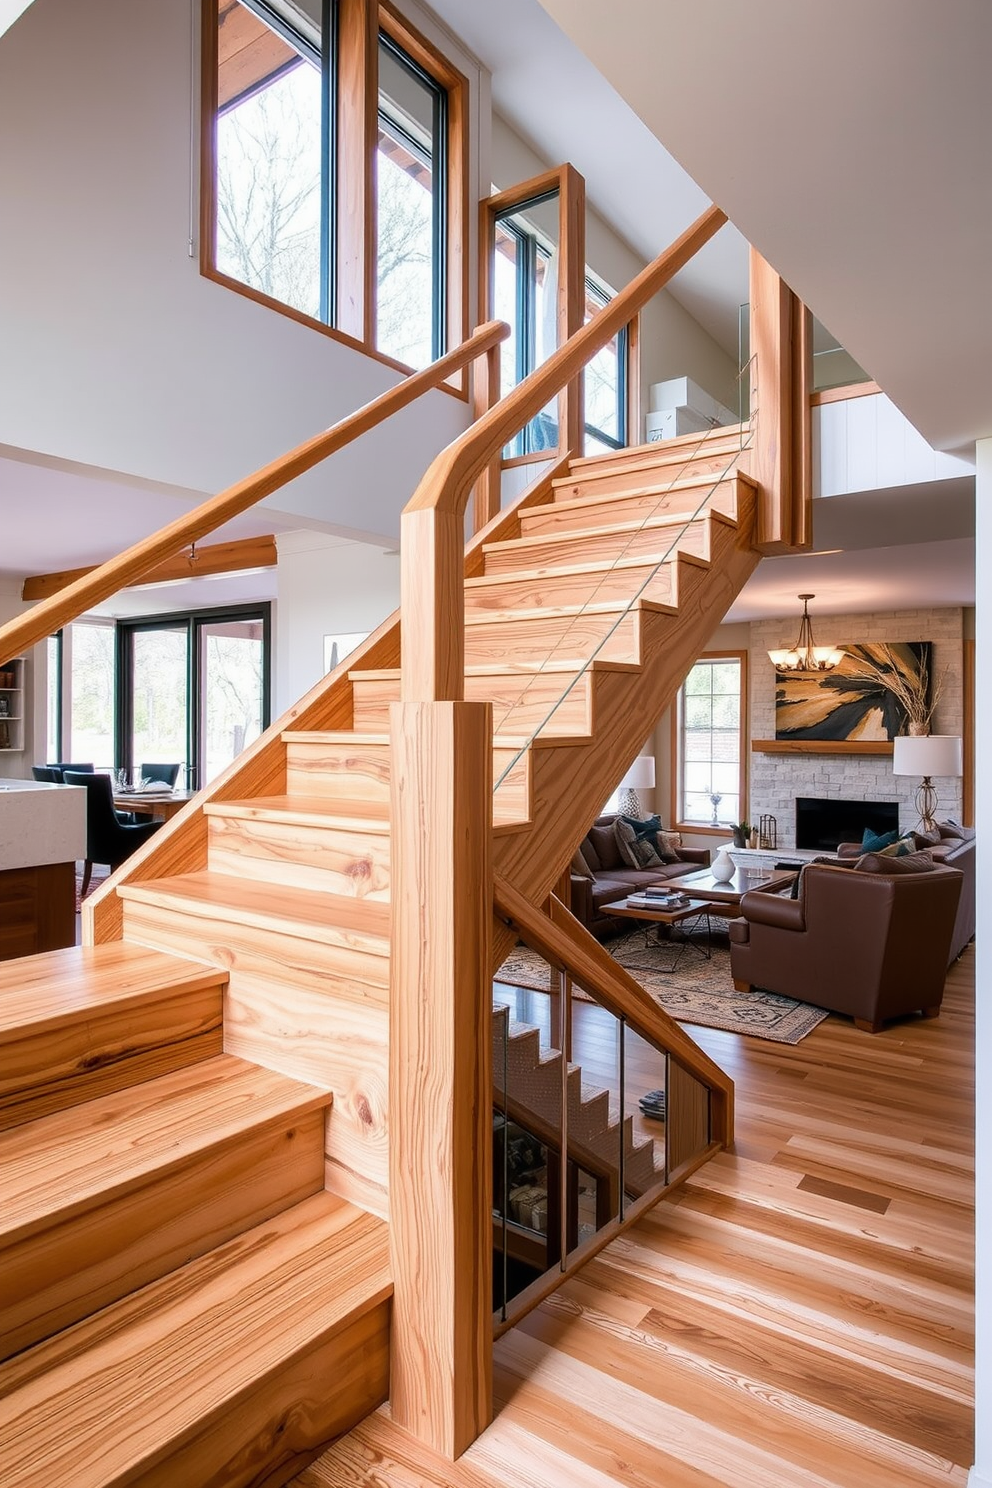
(801, 1317)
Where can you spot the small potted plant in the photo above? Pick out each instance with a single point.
(742, 833)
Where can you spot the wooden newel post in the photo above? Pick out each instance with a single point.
(440, 1071)
(780, 384)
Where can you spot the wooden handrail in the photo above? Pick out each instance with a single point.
(100, 583)
(563, 941)
(432, 539)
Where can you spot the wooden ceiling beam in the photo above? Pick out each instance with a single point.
(197, 563)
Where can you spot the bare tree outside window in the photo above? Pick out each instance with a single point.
(268, 190)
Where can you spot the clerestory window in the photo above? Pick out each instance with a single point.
(350, 215)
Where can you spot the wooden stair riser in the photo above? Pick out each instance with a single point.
(336, 1042)
(625, 708)
(597, 545)
(311, 1010)
(611, 635)
(350, 773)
(236, 1369)
(62, 1063)
(511, 784)
(177, 1194)
(727, 438)
(635, 506)
(551, 589)
(348, 860)
(621, 481)
(535, 1085)
(521, 702)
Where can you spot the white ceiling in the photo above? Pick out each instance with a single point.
(850, 143)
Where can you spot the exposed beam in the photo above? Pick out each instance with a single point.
(197, 563)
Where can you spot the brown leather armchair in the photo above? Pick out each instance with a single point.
(872, 945)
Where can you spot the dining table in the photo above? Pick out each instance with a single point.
(160, 805)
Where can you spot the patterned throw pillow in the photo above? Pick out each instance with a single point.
(638, 852)
(901, 848)
(667, 844)
(873, 842)
(664, 843)
(917, 862)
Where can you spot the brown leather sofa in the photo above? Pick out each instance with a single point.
(613, 879)
(873, 945)
(956, 849)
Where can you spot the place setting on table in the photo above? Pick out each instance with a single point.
(149, 795)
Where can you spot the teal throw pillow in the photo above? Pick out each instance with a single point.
(873, 842)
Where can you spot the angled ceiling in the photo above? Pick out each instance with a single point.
(849, 143)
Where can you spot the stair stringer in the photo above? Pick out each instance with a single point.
(568, 789)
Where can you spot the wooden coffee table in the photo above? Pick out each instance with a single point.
(651, 917)
(725, 898)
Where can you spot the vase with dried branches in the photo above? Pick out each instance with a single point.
(913, 690)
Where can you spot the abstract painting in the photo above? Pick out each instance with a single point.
(849, 703)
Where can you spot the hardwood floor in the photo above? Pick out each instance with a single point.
(800, 1317)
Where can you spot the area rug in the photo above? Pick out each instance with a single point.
(699, 991)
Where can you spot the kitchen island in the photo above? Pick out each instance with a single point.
(42, 834)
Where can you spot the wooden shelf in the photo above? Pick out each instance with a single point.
(821, 746)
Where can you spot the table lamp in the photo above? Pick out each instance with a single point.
(640, 776)
(927, 755)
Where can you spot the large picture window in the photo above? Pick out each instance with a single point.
(334, 171)
(709, 738)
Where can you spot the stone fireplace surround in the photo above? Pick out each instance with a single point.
(776, 779)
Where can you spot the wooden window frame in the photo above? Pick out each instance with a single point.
(703, 829)
(353, 179)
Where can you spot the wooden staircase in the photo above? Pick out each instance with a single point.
(197, 1271)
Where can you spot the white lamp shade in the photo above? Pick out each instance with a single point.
(927, 754)
(640, 776)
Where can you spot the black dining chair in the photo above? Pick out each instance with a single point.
(50, 774)
(168, 774)
(108, 839)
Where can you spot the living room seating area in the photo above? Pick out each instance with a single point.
(600, 876)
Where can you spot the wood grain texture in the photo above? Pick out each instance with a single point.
(49, 614)
(565, 942)
(440, 1073)
(431, 572)
(37, 909)
(100, 1199)
(821, 746)
(645, 501)
(217, 558)
(753, 1332)
(658, 536)
(79, 1023)
(232, 1371)
(843, 394)
(300, 843)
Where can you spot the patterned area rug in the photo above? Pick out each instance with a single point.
(698, 991)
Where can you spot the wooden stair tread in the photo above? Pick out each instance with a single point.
(596, 607)
(331, 736)
(307, 912)
(562, 665)
(301, 810)
(63, 1164)
(709, 480)
(582, 570)
(69, 986)
(146, 1372)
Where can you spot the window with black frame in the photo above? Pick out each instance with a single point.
(524, 293)
(605, 395)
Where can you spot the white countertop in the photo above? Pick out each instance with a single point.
(41, 823)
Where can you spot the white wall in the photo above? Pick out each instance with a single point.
(114, 351)
(672, 343)
(981, 1475)
(866, 444)
(326, 587)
